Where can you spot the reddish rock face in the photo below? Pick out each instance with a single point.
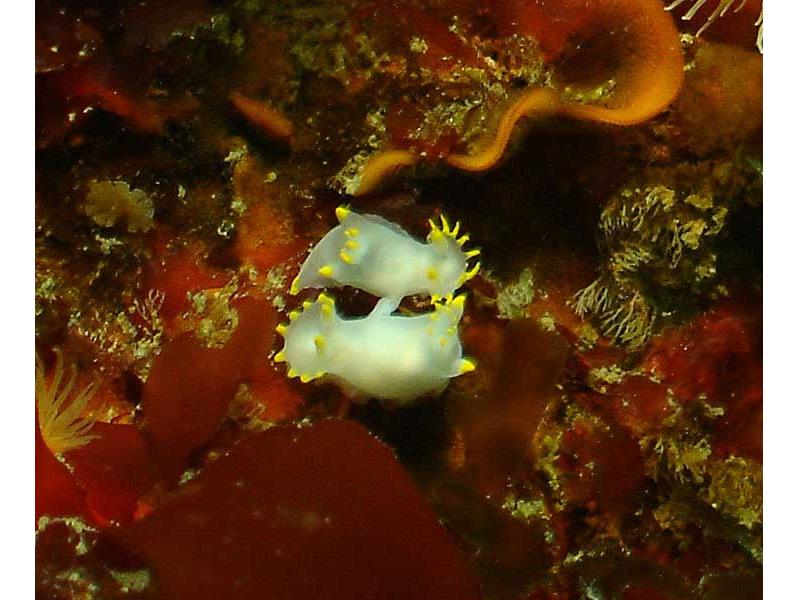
(318, 512)
(602, 470)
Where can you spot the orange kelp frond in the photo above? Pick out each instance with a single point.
(627, 65)
(379, 167)
(617, 61)
(536, 102)
(60, 421)
(267, 119)
(722, 8)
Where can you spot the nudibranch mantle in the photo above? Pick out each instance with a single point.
(389, 357)
(377, 256)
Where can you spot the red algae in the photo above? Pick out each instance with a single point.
(191, 385)
(496, 427)
(177, 274)
(116, 470)
(57, 494)
(602, 468)
(323, 511)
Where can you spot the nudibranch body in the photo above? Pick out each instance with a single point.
(377, 256)
(389, 357)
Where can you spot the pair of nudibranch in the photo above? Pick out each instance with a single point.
(384, 355)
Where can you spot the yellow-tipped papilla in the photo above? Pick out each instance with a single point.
(295, 288)
(342, 212)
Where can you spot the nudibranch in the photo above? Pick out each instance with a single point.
(375, 255)
(393, 358)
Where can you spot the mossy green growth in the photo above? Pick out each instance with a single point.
(658, 235)
(513, 299)
(736, 490)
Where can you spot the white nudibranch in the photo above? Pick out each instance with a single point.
(389, 357)
(377, 256)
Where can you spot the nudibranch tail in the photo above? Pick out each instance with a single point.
(467, 366)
